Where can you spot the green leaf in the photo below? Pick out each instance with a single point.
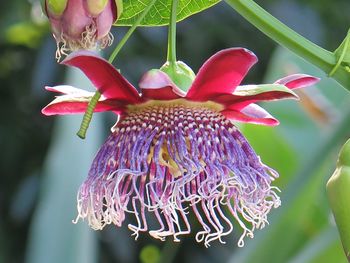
(160, 13)
(323, 248)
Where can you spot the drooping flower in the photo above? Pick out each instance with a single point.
(82, 24)
(173, 153)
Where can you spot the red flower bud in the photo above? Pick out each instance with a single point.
(82, 24)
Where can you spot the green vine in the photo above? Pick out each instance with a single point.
(290, 39)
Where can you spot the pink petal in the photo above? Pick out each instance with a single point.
(68, 104)
(156, 85)
(221, 73)
(66, 89)
(104, 76)
(247, 94)
(104, 20)
(251, 114)
(297, 81)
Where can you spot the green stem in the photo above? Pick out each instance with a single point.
(290, 39)
(172, 34)
(93, 102)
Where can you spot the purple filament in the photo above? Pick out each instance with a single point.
(172, 160)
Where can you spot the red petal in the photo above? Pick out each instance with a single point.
(164, 93)
(247, 94)
(251, 114)
(63, 106)
(104, 76)
(297, 81)
(66, 89)
(156, 85)
(221, 73)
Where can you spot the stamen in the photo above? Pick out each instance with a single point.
(88, 41)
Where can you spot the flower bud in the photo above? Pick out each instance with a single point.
(181, 74)
(82, 24)
(338, 191)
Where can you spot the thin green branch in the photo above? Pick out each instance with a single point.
(171, 57)
(130, 31)
(290, 39)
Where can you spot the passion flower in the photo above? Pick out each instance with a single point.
(171, 152)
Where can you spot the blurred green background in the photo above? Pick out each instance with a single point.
(43, 162)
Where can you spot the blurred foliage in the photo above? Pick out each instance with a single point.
(56, 207)
(26, 34)
(303, 148)
(150, 254)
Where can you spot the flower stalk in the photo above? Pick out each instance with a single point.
(290, 39)
(172, 34)
(180, 73)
